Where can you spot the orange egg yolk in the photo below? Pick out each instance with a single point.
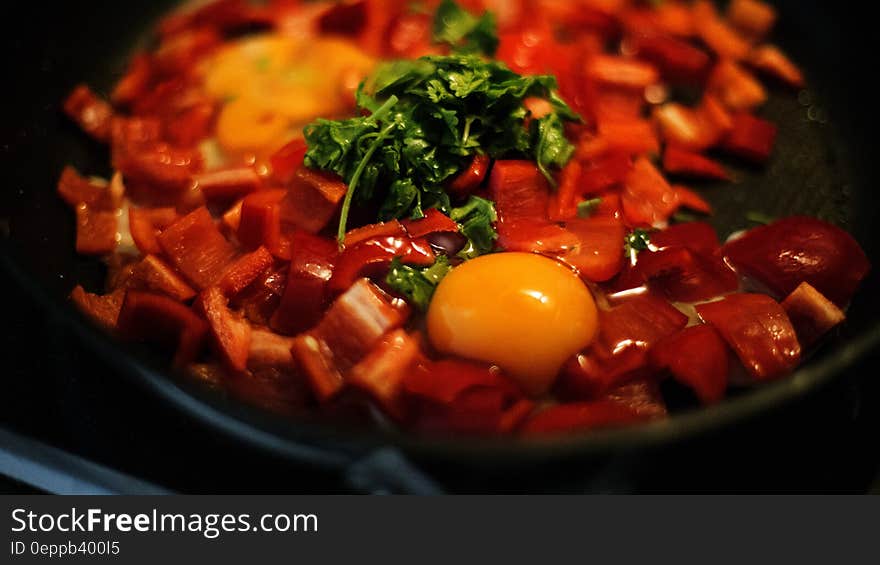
(525, 313)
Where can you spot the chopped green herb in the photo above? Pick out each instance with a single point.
(476, 219)
(429, 118)
(588, 207)
(464, 32)
(637, 241)
(683, 217)
(760, 217)
(417, 285)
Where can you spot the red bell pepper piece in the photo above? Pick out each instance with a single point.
(580, 417)
(696, 357)
(598, 254)
(232, 217)
(158, 319)
(633, 137)
(471, 179)
(811, 314)
(410, 36)
(189, 126)
(605, 172)
(196, 248)
(145, 225)
(689, 199)
(697, 236)
(770, 60)
(95, 231)
(261, 298)
(76, 190)
(154, 275)
(677, 59)
(627, 333)
(647, 197)
(563, 205)
(434, 221)
(735, 87)
(311, 266)
(621, 72)
(758, 329)
(350, 329)
(355, 261)
(159, 166)
(382, 372)
(752, 17)
(244, 271)
(231, 335)
(228, 184)
(536, 236)
(288, 160)
(685, 276)
(260, 223)
(721, 38)
(312, 200)
(786, 253)
(694, 129)
(519, 190)
(101, 310)
(270, 351)
(682, 162)
(392, 228)
(90, 112)
(751, 138)
(642, 396)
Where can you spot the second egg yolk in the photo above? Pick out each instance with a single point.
(525, 313)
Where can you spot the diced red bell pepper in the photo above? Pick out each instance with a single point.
(159, 166)
(154, 275)
(685, 276)
(689, 199)
(677, 59)
(261, 298)
(158, 319)
(694, 129)
(471, 179)
(735, 87)
(90, 112)
(643, 396)
(770, 60)
(145, 225)
(721, 38)
(391, 228)
(260, 223)
(580, 417)
(621, 72)
(311, 266)
(312, 200)
(410, 36)
(270, 351)
(196, 248)
(563, 205)
(374, 253)
(189, 126)
(101, 310)
(76, 190)
(683, 162)
(244, 271)
(697, 236)
(536, 236)
(350, 329)
(751, 138)
(96, 231)
(232, 217)
(696, 357)
(445, 380)
(434, 221)
(632, 137)
(382, 372)
(647, 197)
(811, 314)
(288, 160)
(231, 335)
(758, 329)
(598, 255)
(786, 253)
(135, 81)
(627, 333)
(605, 172)
(227, 185)
(752, 17)
(519, 190)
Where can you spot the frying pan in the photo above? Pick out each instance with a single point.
(822, 167)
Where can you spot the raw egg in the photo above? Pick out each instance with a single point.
(525, 313)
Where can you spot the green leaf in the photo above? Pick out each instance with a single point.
(476, 220)
(402, 197)
(587, 208)
(417, 285)
(637, 241)
(552, 148)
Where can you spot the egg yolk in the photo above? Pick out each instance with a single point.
(525, 313)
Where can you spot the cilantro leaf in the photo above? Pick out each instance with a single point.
(551, 146)
(637, 241)
(476, 220)
(587, 208)
(417, 285)
(464, 32)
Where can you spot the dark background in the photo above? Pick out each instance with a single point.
(57, 391)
